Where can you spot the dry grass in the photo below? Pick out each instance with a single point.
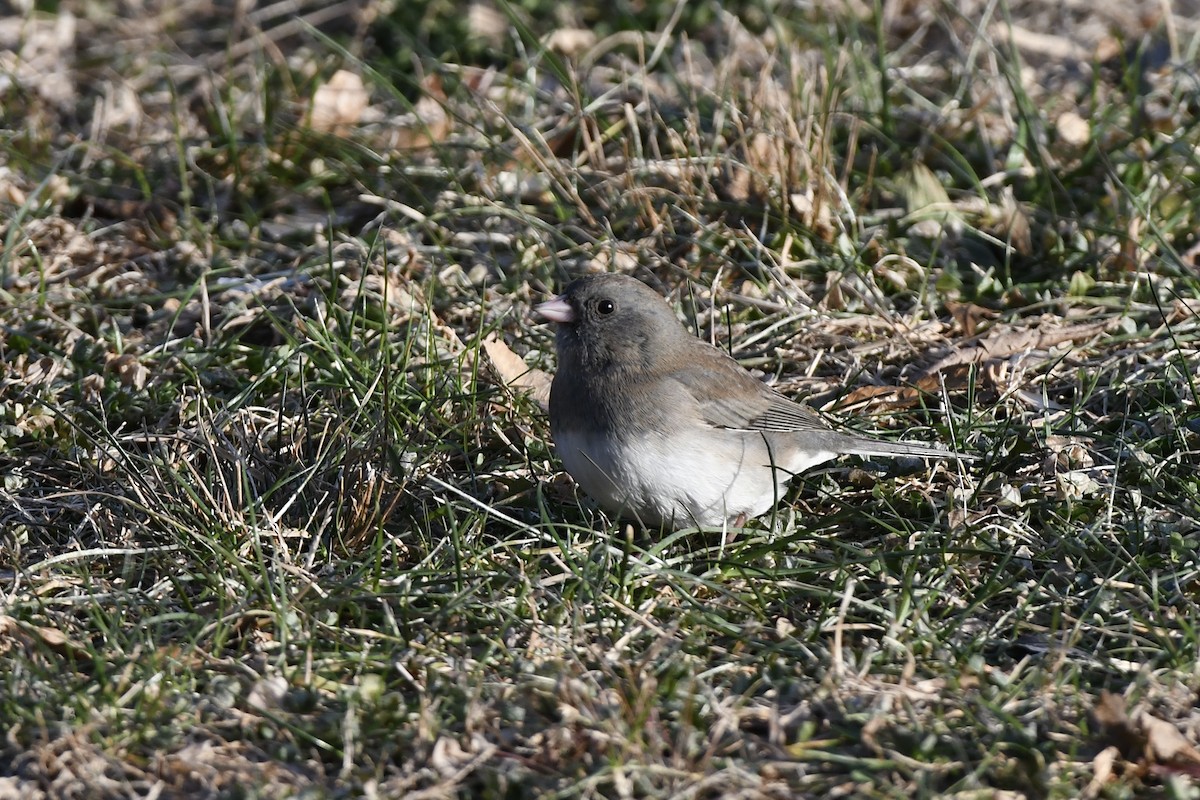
(272, 527)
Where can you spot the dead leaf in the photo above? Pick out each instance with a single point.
(52, 638)
(1002, 342)
(267, 693)
(1182, 308)
(34, 50)
(1014, 225)
(1065, 454)
(814, 213)
(1156, 744)
(969, 315)
(571, 42)
(131, 372)
(1164, 742)
(878, 398)
(1046, 44)
(1102, 770)
(1191, 256)
(1073, 129)
(926, 203)
(487, 23)
(427, 124)
(1076, 484)
(514, 372)
(1109, 716)
(10, 193)
(337, 106)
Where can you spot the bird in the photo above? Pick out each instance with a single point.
(661, 427)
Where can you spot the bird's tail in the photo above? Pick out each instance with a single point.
(863, 446)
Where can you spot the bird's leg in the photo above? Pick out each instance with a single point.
(731, 531)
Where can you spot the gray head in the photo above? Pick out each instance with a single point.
(612, 322)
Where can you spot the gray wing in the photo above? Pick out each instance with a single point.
(728, 396)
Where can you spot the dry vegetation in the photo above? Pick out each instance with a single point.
(273, 524)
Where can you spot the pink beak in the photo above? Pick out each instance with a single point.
(556, 310)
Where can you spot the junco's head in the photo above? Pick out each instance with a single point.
(612, 323)
(658, 425)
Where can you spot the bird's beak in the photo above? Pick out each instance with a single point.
(556, 310)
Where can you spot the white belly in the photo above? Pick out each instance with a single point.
(708, 477)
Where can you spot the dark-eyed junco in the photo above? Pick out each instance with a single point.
(660, 426)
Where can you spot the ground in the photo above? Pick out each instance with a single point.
(280, 514)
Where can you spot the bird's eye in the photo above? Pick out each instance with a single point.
(605, 307)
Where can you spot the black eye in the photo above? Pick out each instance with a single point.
(605, 307)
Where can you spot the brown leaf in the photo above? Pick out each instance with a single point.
(877, 398)
(1144, 737)
(969, 315)
(571, 42)
(1191, 256)
(1043, 43)
(923, 191)
(486, 23)
(513, 371)
(428, 123)
(338, 105)
(1001, 342)
(1181, 309)
(267, 694)
(1102, 771)
(1164, 743)
(1073, 129)
(131, 372)
(49, 637)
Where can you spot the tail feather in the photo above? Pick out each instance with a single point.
(861, 446)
